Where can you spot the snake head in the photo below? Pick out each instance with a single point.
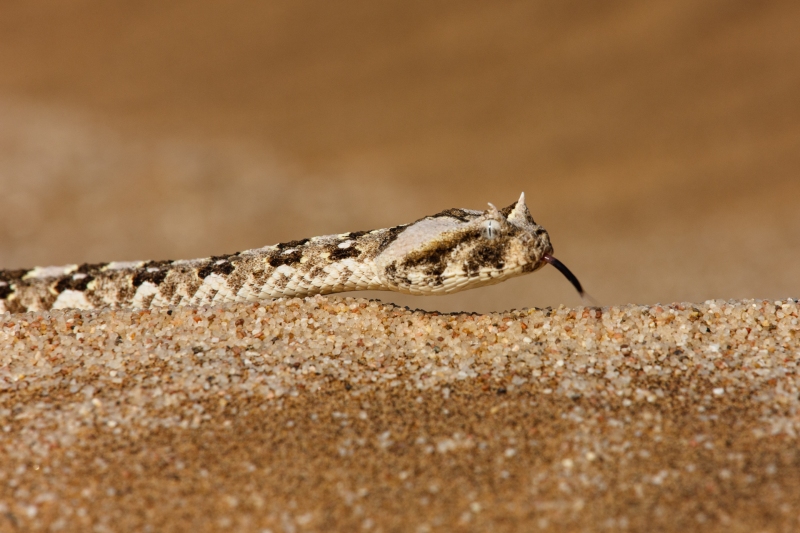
(460, 249)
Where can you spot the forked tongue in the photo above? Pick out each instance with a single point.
(571, 277)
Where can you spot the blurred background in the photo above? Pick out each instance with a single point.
(658, 142)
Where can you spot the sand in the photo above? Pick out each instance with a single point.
(345, 414)
(657, 142)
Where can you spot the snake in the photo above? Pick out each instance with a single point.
(454, 250)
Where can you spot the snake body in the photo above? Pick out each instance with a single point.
(450, 251)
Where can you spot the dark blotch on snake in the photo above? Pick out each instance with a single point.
(9, 277)
(435, 258)
(155, 277)
(486, 255)
(5, 291)
(389, 236)
(290, 258)
(69, 283)
(458, 214)
(291, 244)
(216, 265)
(13, 275)
(337, 253)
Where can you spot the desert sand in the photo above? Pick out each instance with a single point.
(347, 414)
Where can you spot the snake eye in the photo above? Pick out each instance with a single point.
(490, 229)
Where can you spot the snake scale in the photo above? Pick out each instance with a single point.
(450, 251)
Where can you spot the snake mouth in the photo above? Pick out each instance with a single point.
(567, 273)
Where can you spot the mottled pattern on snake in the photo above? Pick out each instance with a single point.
(450, 251)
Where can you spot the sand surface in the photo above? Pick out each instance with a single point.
(658, 142)
(347, 414)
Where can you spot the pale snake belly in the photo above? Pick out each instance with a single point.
(444, 253)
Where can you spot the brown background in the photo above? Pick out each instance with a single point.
(659, 142)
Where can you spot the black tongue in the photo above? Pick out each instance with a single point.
(567, 274)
